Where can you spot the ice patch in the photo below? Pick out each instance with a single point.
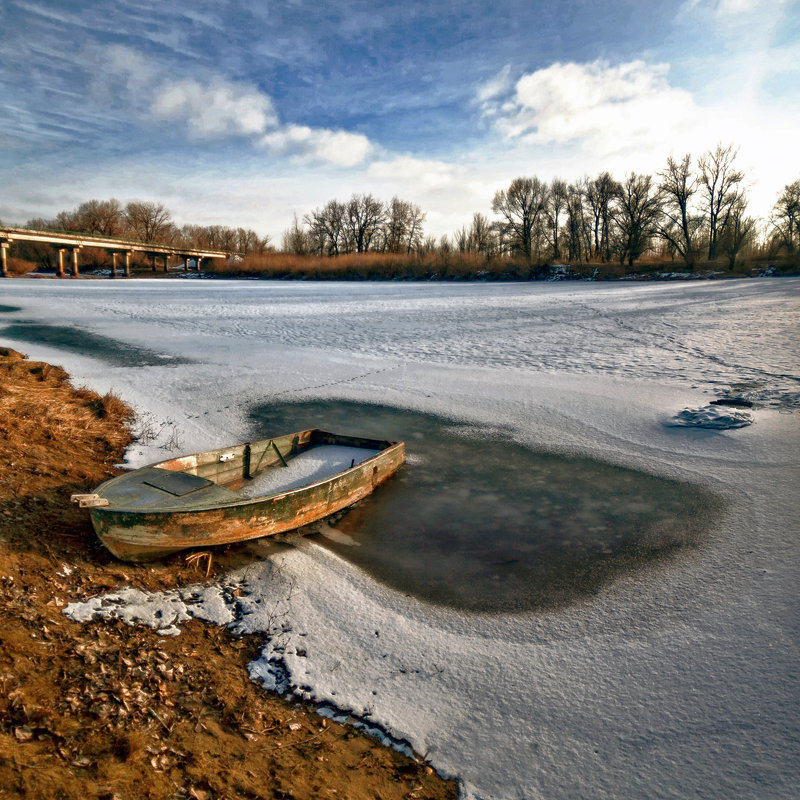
(714, 417)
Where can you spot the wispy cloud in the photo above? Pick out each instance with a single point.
(216, 108)
(734, 8)
(422, 173)
(496, 85)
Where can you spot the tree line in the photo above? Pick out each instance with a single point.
(151, 222)
(690, 211)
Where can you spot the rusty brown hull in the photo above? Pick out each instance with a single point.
(191, 501)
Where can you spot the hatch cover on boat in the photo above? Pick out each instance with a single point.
(177, 483)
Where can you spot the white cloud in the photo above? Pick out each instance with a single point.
(496, 85)
(603, 108)
(219, 108)
(337, 147)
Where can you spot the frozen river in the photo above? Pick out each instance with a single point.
(670, 675)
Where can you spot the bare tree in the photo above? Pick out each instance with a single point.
(599, 194)
(102, 217)
(738, 232)
(248, 242)
(147, 221)
(481, 234)
(721, 187)
(680, 226)
(402, 229)
(295, 239)
(327, 226)
(577, 227)
(785, 217)
(364, 216)
(414, 231)
(636, 214)
(557, 197)
(521, 207)
(462, 240)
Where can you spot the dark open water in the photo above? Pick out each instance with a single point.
(480, 523)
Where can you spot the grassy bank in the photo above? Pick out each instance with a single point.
(111, 711)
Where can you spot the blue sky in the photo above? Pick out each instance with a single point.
(245, 113)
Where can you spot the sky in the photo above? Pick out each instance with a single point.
(248, 112)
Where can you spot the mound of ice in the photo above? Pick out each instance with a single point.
(716, 417)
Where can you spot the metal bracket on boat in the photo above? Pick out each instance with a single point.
(280, 455)
(89, 500)
(227, 457)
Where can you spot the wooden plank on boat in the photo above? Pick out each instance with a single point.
(178, 484)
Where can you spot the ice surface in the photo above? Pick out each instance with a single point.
(679, 680)
(305, 468)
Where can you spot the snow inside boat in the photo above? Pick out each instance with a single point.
(237, 493)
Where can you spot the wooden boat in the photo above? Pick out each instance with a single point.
(201, 500)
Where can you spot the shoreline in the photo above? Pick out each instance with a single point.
(670, 277)
(102, 710)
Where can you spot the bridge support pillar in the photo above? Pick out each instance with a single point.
(153, 261)
(4, 258)
(127, 263)
(75, 273)
(113, 263)
(61, 252)
(166, 262)
(186, 263)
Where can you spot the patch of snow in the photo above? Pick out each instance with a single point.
(306, 468)
(162, 612)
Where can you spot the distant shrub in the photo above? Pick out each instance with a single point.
(20, 266)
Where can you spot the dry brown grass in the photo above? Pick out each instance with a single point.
(436, 265)
(20, 266)
(379, 266)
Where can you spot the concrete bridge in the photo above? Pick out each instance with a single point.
(72, 243)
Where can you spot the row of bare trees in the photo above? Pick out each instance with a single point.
(360, 225)
(688, 210)
(151, 222)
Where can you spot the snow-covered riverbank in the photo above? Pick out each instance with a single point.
(678, 679)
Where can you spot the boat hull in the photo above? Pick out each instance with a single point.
(150, 534)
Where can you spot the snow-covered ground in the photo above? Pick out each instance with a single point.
(675, 680)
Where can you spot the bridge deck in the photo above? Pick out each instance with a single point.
(65, 240)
